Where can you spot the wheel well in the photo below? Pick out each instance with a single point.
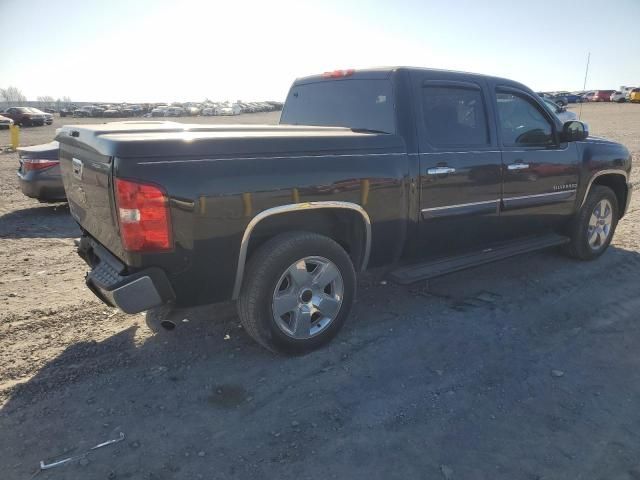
(618, 184)
(347, 227)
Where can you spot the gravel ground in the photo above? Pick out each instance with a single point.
(524, 369)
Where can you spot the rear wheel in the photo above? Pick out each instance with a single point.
(298, 291)
(593, 227)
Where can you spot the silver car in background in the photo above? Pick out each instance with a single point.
(39, 172)
(5, 122)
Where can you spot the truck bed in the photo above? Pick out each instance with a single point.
(206, 170)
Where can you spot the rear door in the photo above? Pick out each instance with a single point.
(540, 173)
(460, 166)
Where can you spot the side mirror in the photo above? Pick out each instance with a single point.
(574, 131)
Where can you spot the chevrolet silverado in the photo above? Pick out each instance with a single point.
(420, 171)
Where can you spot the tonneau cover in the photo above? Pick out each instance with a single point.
(145, 139)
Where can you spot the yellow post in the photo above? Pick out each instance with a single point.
(295, 195)
(246, 202)
(364, 192)
(15, 136)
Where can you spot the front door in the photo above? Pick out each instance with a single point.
(460, 167)
(540, 173)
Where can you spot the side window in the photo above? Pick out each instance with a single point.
(522, 123)
(454, 116)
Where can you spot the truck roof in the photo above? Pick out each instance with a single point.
(387, 72)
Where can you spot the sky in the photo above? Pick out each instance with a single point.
(189, 50)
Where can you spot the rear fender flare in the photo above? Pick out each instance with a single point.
(296, 207)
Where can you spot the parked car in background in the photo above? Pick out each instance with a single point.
(571, 97)
(48, 117)
(112, 113)
(602, 95)
(225, 111)
(5, 122)
(618, 97)
(24, 116)
(39, 172)
(159, 111)
(557, 99)
(132, 111)
(634, 95)
(625, 91)
(89, 111)
(81, 112)
(561, 112)
(588, 96)
(175, 112)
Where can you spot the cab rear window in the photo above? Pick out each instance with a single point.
(359, 104)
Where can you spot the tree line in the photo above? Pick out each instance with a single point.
(13, 96)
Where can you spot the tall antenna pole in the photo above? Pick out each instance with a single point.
(584, 85)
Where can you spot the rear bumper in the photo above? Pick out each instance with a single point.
(131, 293)
(33, 121)
(47, 189)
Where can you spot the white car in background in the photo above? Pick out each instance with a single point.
(618, 96)
(159, 111)
(5, 122)
(175, 112)
(561, 112)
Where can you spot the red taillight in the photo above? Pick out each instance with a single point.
(30, 164)
(339, 73)
(143, 213)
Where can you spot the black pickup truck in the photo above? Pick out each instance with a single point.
(420, 171)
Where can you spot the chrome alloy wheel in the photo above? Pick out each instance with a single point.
(600, 224)
(308, 297)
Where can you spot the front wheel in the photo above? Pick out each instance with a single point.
(297, 293)
(593, 227)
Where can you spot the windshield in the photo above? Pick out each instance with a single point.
(358, 104)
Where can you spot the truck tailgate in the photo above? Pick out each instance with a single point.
(87, 178)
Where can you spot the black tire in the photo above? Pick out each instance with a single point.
(579, 246)
(264, 270)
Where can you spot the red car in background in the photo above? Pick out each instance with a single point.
(26, 116)
(602, 96)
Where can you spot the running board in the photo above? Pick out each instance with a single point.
(423, 271)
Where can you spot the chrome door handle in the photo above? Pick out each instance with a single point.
(440, 170)
(518, 166)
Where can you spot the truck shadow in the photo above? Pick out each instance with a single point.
(45, 221)
(459, 366)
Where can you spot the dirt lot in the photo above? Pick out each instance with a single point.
(525, 369)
